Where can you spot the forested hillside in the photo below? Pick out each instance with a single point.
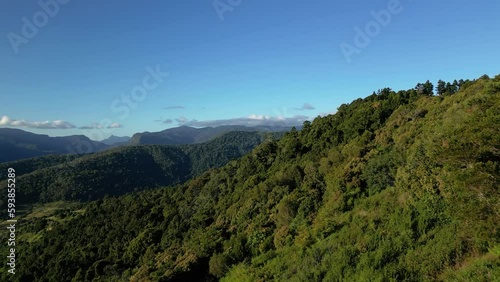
(26, 166)
(190, 135)
(124, 169)
(398, 186)
(16, 144)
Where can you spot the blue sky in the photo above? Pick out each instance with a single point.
(228, 61)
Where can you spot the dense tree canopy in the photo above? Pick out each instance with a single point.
(124, 169)
(396, 186)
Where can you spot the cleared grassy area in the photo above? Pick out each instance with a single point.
(47, 210)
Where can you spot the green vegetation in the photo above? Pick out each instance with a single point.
(399, 186)
(190, 135)
(26, 166)
(124, 169)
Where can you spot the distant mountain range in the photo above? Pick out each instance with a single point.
(16, 144)
(191, 135)
(114, 140)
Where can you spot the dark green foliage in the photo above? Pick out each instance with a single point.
(125, 169)
(29, 165)
(399, 186)
(425, 88)
(380, 171)
(190, 135)
(450, 88)
(441, 87)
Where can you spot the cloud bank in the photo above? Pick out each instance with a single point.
(56, 124)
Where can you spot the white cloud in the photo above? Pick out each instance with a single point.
(115, 125)
(18, 123)
(5, 120)
(258, 117)
(56, 124)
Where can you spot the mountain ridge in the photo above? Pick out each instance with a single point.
(18, 144)
(192, 135)
(116, 140)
